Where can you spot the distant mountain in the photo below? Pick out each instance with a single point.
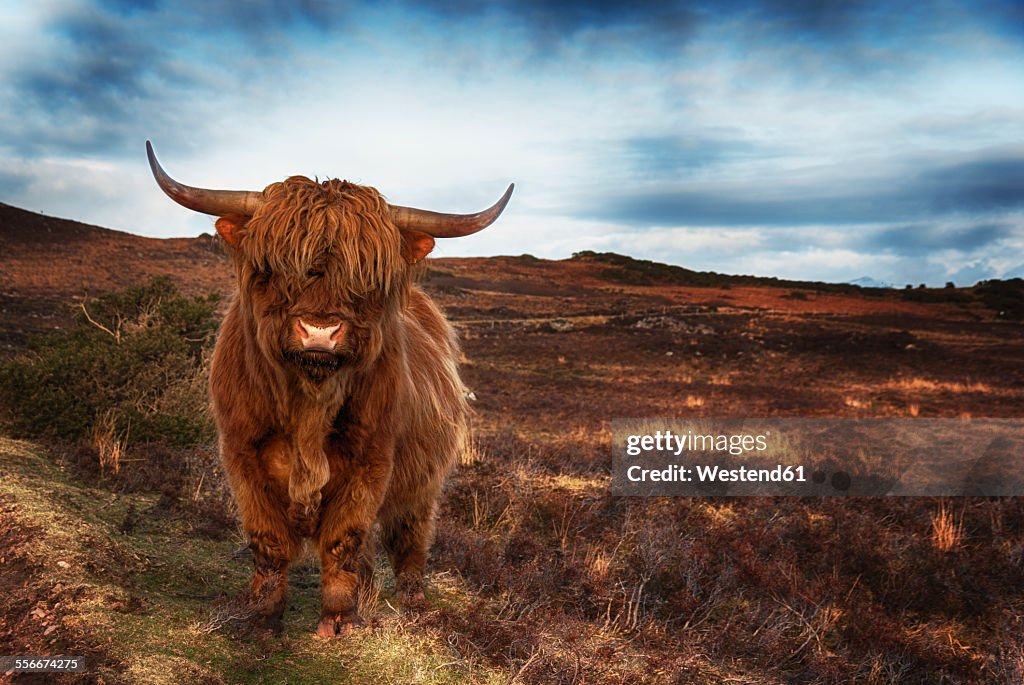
(868, 282)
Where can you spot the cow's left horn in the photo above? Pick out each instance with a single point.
(448, 225)
(215, 202)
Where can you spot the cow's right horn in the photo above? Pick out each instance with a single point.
(215, 202)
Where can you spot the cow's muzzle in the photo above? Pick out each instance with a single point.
(315, 364)
(319, 337)
(316, 346)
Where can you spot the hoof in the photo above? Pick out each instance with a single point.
(338, 625)
(272, 623)
(414, 601)
(266, 603)
(411, 596)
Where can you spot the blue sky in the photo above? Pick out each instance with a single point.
(791, 138)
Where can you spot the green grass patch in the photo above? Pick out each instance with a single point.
(150, 597)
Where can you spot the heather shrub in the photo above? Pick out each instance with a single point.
(130, 370)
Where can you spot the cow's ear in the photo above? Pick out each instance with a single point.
(416, 245)
(232, 228)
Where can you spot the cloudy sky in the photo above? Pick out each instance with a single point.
(791, 138)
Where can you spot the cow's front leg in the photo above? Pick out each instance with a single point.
(272, 551)
(346, 560)
(274, 543)
(344, 537)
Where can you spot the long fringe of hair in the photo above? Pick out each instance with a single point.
(302, 223)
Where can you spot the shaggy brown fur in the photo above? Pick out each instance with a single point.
(323, 445)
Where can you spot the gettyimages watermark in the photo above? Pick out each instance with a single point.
(818, 457)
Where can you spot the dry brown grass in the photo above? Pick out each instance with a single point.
(918, 384)
(226, 614)
(947, 528)
(473, 453)
(540, 575)
(692, 402)
(109, 443)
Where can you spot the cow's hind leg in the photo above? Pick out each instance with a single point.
(407, 536)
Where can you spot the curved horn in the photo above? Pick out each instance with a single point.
(448, 225)
(215, 202)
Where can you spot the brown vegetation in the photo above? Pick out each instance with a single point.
(539, 575)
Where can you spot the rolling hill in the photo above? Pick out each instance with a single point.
(539, 574)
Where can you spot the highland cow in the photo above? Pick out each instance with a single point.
(334, 383)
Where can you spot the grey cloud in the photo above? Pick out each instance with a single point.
(996, 183)
(271, 24)
(605, 24)
(120, 70)
(264, 20)
(851, 36)
(666, 156)
(916, 239)
(977, 186)
(105, 74)
(129, 7)
(736, 205)
(120, 61)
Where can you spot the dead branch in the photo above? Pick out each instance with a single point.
(97, 324)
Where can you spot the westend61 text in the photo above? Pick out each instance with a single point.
(667, 441)
(716, 474)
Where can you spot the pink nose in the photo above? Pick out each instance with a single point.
(318, 337)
